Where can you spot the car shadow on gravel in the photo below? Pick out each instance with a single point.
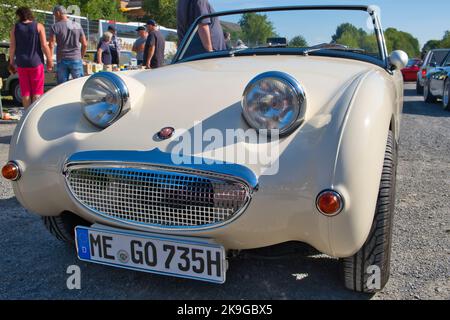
(286, 271)
(256, 274)
(10, 203)
(418, 107)
(5, 140)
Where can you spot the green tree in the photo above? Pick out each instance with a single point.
(369, 43)
(348, 31)
(256, 28)
(431, 44)
(298, 42)
(94, 9)
(8, 13)
(399, 40)
(164, 12)
(445, 42)
(101, 9)
(437, 44)
(348, 35)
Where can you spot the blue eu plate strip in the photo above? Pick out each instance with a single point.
(83, 243)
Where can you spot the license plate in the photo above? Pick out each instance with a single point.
(180, 257)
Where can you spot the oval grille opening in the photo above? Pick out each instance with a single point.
(158, 198)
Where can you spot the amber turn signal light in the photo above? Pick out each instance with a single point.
(329, 203)
(11, 171)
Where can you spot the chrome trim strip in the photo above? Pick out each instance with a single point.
(380, 36)
(163, 160)
(91, 159)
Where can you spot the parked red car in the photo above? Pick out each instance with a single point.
(411, 69)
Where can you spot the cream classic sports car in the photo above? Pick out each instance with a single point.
(288, 134)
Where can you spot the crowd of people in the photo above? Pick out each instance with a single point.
(29, 45)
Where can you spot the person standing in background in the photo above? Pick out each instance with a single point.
(227, 37)
(114, 46)
(68, 35)
(209, 37)
(103, 55)
(139, 45)
(27, 48)
(154, 47)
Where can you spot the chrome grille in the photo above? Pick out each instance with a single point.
(158, 198)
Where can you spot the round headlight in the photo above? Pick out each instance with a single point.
(105, 99)
(274, 101)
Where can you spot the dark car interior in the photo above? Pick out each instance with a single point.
(4, 73)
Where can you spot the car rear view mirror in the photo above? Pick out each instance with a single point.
(398, 59)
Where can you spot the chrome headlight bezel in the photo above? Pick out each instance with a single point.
(120, 92)
(293, 85)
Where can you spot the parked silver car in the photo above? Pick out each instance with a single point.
(433, 59)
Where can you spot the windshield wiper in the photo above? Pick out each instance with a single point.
(327, 46)
(231, 53)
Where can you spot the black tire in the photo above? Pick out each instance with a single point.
(419, 88)
(377, 249)
(63, 226)
(427, 95)
(446, 96)
(15, 93)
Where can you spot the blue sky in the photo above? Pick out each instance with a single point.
(424, 19)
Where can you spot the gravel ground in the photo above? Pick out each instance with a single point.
(33, 264)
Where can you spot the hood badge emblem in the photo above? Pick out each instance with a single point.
(165, 133)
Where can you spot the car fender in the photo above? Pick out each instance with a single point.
(40, 146)
(359, 160)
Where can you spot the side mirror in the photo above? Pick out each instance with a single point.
(433, 64)
(398, 59)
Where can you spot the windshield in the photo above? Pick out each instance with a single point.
(285, 30)
(413, 62)
(439, 56)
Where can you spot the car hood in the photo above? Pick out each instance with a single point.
(198, 96)
(181, 94)
(202, 99)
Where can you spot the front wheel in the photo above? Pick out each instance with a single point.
(62, 227)
(446, 96)
(369, 269)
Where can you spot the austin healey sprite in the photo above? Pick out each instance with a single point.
(288, 134)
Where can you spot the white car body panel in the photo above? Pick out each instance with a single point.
(341, 144)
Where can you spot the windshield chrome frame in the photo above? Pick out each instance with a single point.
(369, 9)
